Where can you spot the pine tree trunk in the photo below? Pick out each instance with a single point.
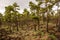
(38, 25)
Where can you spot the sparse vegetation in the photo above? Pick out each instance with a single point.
(37, 24)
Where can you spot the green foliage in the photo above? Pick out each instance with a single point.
(53, 37)
(35, 17)
(9, 9)
(15, 5)
(26, 12)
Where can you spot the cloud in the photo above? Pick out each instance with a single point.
(22, 3)
(55, 8)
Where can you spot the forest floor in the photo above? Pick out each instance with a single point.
(30, 34)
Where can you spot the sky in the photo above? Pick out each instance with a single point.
(22, 3)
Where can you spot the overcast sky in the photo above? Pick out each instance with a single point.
(22, 3)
